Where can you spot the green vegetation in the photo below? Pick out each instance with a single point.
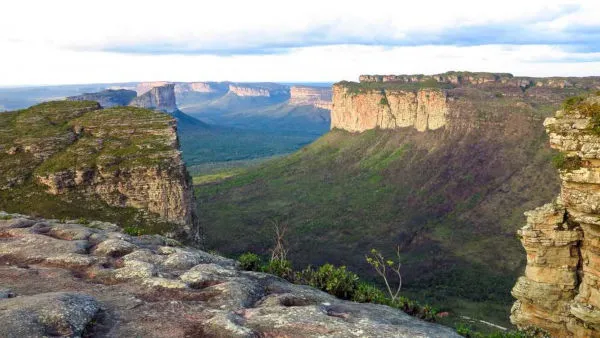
(336, 281)
(467, 331)
(384, 101)
(354, 88)
(563, 162)
(250, 261)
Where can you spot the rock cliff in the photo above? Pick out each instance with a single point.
(63, 278)
(312, 96)
(198, 87)
(144, 87)
(122, 157)
(425, 109)
(259, 90)
(560, 291)
(107, 98)
(160, 98)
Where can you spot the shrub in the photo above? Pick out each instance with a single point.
(336, 281)
(367, 293)
(563, 162)
(133, 230)
(83, 221)
(384, 267)
(569, 104)
(383, 101)
(250, 261)
(281, 268)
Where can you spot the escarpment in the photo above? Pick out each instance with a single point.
(312, 96)
(158, 98)
(560, 291)
(107, 98)
(74, 156)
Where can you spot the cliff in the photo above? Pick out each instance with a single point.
(311, 96)
(107, 98)
(259, 90)
(160, 98)
(64, 278)
(144, 87)
(198, 87)
(425, 109)
(108, 159)
(560, 291)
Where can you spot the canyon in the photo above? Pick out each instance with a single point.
(560, 291)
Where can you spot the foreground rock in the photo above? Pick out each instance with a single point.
(560, 291)
(77, 280)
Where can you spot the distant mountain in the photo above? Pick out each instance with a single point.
(107, 98)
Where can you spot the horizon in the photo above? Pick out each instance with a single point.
(315, 42)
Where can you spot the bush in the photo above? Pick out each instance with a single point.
(383, 101)
(563, 162)
(133, 230)
(571, 103)
(83, 221)
(281, 268)
(336, 281)
(367, 293)
(250, 261)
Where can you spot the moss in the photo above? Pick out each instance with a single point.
(564, 162)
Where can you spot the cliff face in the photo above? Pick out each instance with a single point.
(247, 91)
(107, 98)
(144, 87)
(425, 109)
(311, 96)
(122, 157)
(198, 87)
(560, 291)
(160, 98)
(259, 90)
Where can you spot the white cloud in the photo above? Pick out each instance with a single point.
(51, 42)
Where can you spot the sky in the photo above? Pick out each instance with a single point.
(72, 42)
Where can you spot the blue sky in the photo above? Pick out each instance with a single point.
(115, 41)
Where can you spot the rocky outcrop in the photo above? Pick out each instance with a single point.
(160, 98)
(198, 87)
(247, 91)
(118, 157)
(69, 279)
(107, 98)
(319, 97)
(425, 109)
(560, 291)
(259, 90)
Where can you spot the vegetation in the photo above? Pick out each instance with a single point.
(466, 331)
(384, 267)
(250, 261)
(564, 162)
(336, 281)
(354, 88)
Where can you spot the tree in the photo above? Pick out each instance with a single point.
(384, 268)
(279, 252)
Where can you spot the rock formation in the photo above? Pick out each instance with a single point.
(122, 156)
(319, 97)
(560, 291)
(425, 109)
(160, 98)
(198, 87)
(259, 90)
(62, 278)
(144, 87)
(107, 98)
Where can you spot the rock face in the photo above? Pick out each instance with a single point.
(259, 90)
(312, 96)
(107, 98)
(144, 87)
(95, 280)
(560, 291)
(198, 87)
(160, 98)
(425, 109)
(121, 156)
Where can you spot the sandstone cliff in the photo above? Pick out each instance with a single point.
(198, 87)
(119, 157)
(160, 98)
(560, 291)
(144, 87)
(311, 96)
(259, 90)
(425, 109)
(64, 278)
(107, 98)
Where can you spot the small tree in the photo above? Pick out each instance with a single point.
(384, 268)
(279, 252)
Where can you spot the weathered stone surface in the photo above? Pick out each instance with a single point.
(560, 291)
(319, 97)
(47, 314)
(140, 294)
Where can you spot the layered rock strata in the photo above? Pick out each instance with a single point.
(62, 278)
(425, 109)
(107, 98)
(560, 291)
(160, 98)
(313, 96)
(144, 87)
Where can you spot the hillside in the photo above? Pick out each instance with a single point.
(74, 159)
(450, 191)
